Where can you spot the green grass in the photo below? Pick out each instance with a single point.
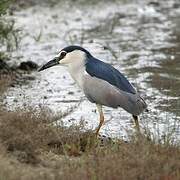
(4, 4)
(9, 35)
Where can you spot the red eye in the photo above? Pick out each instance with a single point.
(63, 54)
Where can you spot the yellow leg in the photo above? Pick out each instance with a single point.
(136, 123)
(99, 108)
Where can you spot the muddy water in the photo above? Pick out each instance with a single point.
(140, 38)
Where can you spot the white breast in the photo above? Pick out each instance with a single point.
(78, 76)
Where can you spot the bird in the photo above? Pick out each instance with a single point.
(101, 83)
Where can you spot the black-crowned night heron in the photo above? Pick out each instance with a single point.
(101, 83)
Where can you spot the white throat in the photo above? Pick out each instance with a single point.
(77, 67)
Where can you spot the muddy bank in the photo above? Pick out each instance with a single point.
(12, 76)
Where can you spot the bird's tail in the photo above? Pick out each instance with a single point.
(133, 103)
(141, 105)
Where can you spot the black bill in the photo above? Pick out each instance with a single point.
(51, 63)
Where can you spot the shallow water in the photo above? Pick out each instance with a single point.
(140, 38)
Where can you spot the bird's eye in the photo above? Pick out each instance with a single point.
(63, 54)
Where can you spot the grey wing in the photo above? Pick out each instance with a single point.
(101, 92)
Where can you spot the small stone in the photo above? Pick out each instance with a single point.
(45, 97)
(28, 66)
(70, 92)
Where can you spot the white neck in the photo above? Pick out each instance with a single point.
(77, 69)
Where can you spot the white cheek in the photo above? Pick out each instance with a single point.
(64, 61)
(74, 58)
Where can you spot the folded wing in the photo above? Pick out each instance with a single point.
(108, 73)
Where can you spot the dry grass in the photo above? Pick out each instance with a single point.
(31, 147)
(5, 81)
